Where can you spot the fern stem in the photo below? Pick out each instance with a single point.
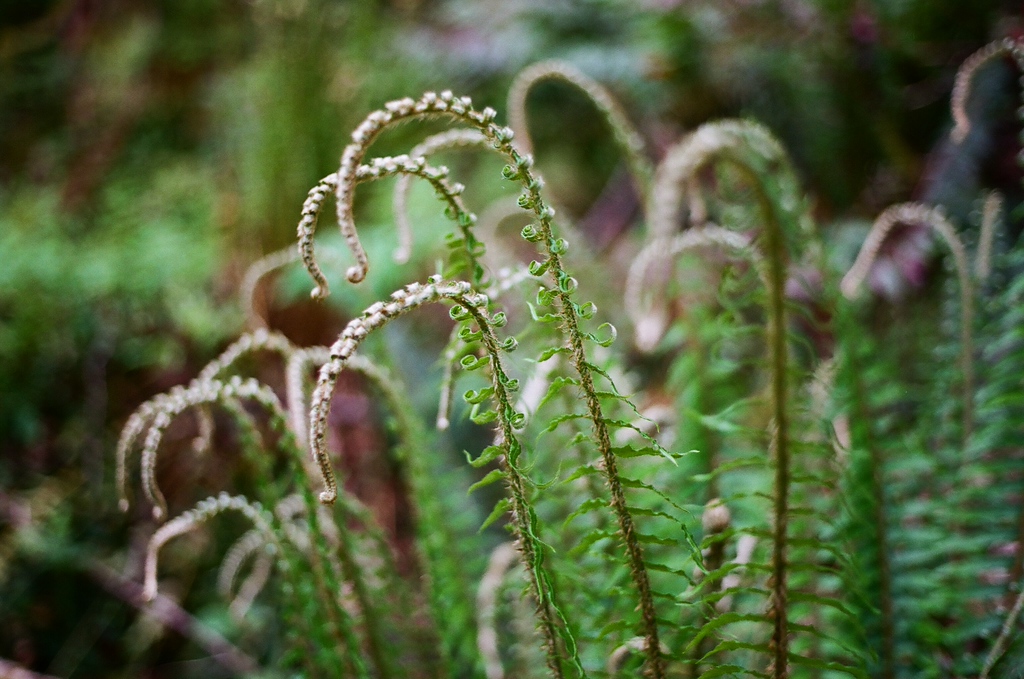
(964, 77)
(935, 219)
(999, 647)
(774, 269)
(991, 212)
(775, 274)
(777, 323)
(446, 104)
(467, 305)
(570, 312)
(629, 140)
(522, 512)
(627, 528)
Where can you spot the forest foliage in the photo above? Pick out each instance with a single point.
(725, 396)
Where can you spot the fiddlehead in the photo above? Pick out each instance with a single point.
(343, 184)
(192, 519)
(469, 306)
(559, 295)
(965, 75)
(935, 219)
(444, 141)
(625, 134)
(648, 324)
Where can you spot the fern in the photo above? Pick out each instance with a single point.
(781, 494)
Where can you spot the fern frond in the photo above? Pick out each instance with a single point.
(254, 274)
(741, 142)
(251, 546)
(468, 306)
(648, 324)
(444, 141)
(343, 184)
(628, 138)
(194, 518)
(559, 295)
(965, 75)
(991, 211)
(935, 219)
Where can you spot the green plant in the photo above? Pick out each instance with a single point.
(801, 537)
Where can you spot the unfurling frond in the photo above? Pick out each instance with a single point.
(649, 324)
(254, 274)
(444, 141)
(935, 219)
(741, 142)
(196, 517)
(182, 398)
(250, 547)
(964, 77)
(625, 134)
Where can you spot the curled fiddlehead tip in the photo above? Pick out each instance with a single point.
(902, 213)
(192, 519)
(199, 392)
(123, 505)
(204, 437)
(650, 321)
(649, 329)
(252, 546)
(716, 517)
(256, 272)
(355, 274)
(964, 78)
(742, 140)
(626, 135)
(341, 352)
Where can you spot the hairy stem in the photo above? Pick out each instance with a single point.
(468, 305)
(518, 169)
(626, 135)
(935, 219)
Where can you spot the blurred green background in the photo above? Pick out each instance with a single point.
(149, 151)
